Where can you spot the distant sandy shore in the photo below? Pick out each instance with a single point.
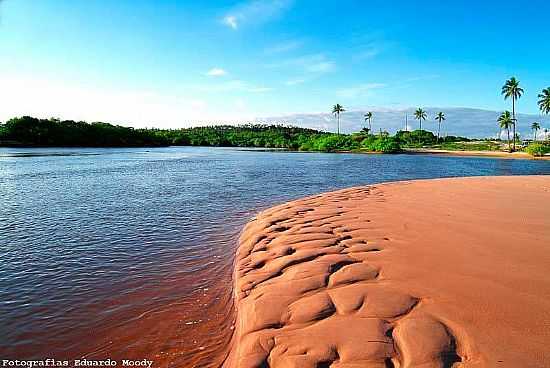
(518, 155)
(429, 273)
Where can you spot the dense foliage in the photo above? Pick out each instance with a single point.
(421, 138)
(52, 132)
(538, 149)
(250, 135)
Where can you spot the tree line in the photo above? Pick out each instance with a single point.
(30, 131)
(507, 121)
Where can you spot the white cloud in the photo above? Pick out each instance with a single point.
(284, 47)
(255, 12)
(22, 95)
(231, 21)
(321, 67)
(367, 53)
(311, 64)
(460, 121)
(293, 82)
(216, 72)
(234, 85)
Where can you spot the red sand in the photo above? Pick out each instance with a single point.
(435, 273)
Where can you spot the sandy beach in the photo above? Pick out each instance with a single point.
(467, 153)
(429, 273)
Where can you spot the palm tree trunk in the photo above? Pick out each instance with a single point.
(338, 114)
(370, 126)
(420, 120)
(514, 117)
(438, 129)
(509, 145)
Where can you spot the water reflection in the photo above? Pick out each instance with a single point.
(128, 252)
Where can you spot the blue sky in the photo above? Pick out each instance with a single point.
(174, 63)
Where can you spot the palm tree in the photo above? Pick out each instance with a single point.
(368, 117)
(336, 110)
(535, 127)
(511, 89)
(420, 115)
(505, 122)
(544, 102)
(439, 117)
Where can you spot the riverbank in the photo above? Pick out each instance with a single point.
(422, 273)
(469, 153)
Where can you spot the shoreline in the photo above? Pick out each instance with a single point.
(406, 151)
(399, 274)
(491, 154)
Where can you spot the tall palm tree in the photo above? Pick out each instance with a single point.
(420, 115)
(368, 117)
(535, 127)
(505, 122)
(439, 117)
(511, 89)
(544, 101)
(336, 110)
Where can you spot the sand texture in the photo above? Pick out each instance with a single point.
(430, 273)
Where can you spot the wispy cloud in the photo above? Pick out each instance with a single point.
(312, 63)
(255, 12)
(367, 52)
(359, 90)
(321, 67)
(283, 47)
(235, 85)
(216, 72)
(293, 82)
(230, 21)
(305, 68)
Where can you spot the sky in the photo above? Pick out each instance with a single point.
(179, 63)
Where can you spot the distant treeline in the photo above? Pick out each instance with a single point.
(31, 131)
(68, 133)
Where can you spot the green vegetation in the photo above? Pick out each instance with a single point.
(368, 117)
(68, 133)
(424, 138)
(420, 115)
(481, 145)
(31, 131)
(538, 149)
(511, 89)
(544, 101)
(336, 110)
(535, 127)
(439, 117)
(52, 132)
(382, 143)
(505, 121)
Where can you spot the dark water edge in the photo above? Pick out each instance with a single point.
(127, 252)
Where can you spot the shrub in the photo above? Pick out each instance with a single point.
(387, 145)
(334, 142)
(381, 144)
(537, 149)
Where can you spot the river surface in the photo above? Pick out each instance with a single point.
(127, 253)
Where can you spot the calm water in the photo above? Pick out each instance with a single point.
(127, 252)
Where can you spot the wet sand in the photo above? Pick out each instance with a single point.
(429, 273)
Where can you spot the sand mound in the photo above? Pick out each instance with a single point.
(434, 273)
